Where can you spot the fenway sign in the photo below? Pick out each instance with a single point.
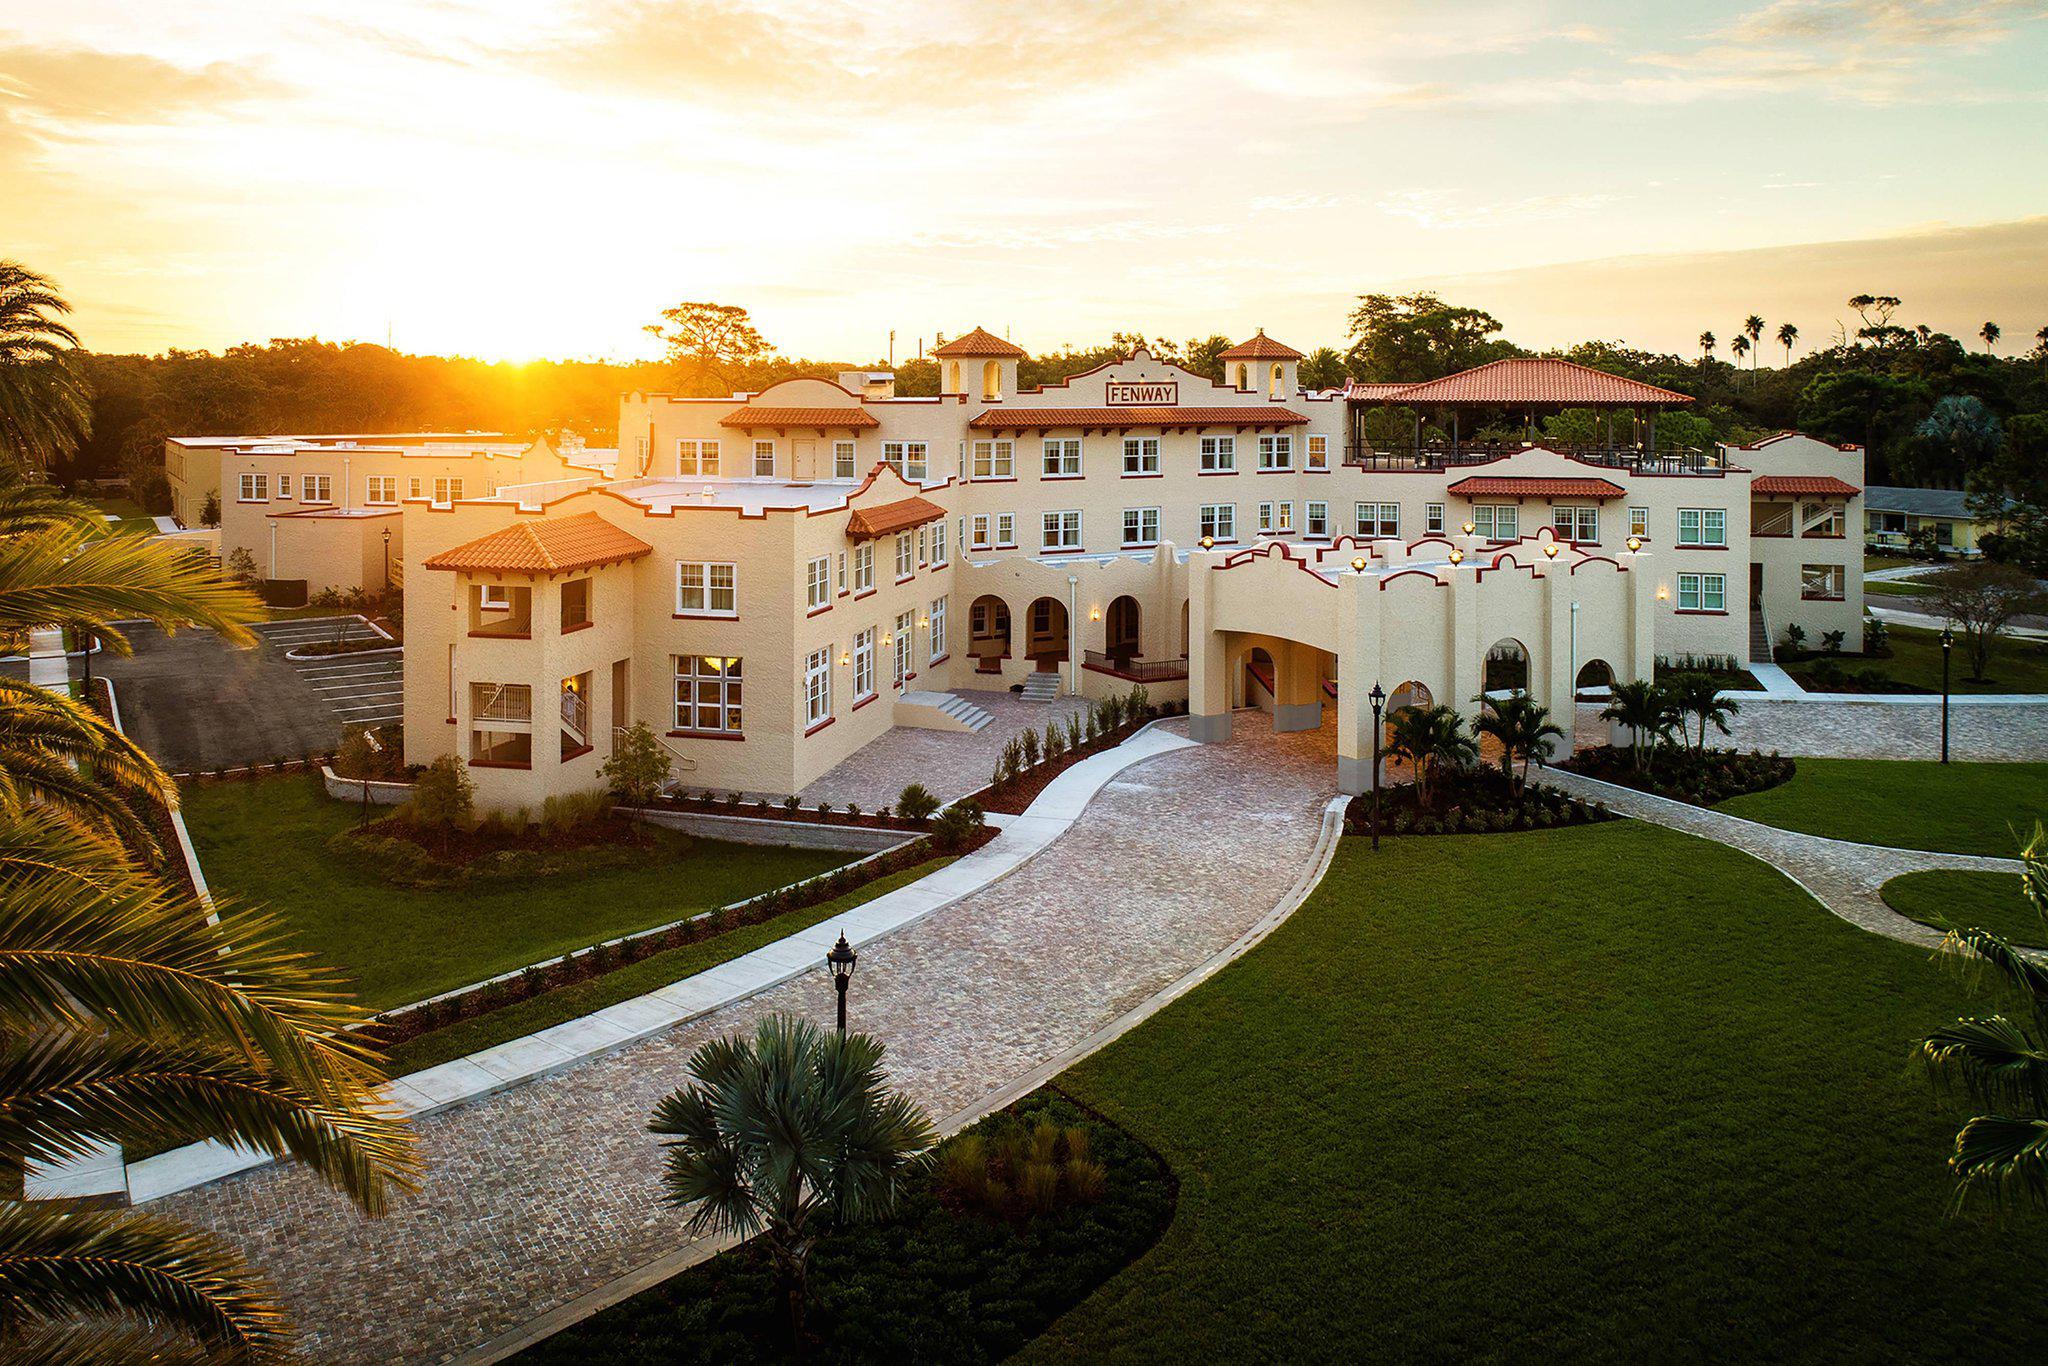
(1120, 394)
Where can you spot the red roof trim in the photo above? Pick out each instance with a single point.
(1026, 419)
(1813, 485)
(1533, 486)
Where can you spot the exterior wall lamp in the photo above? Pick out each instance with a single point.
(1095, 614)
(844, 659)
(1208, 543)
(1550, 549)
(1358, 564)
(1635, 543)
(1469, 528)
(1457, 556)
(1663, 593)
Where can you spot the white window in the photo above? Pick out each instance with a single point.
(1497, 522)
(706, 589)
(1219, 521)
(1581, 524)
(697, 458)
(1062, 457)
(1006, 528)
(864, 567)
(903, 663)
(412, 487)
(818, 583)
(447, 490)
(1701, 526)
(764, 459)
(284, 485)
(1141, 455)
(1276, 452)
(864, 664)
(1433, 518)
(1319, 452)
(318, 488)
(938, 649)
(817, 686)
(994, 460)
(708, 694)
(1141, 526)
(1062, 531)
(978, 537)
(1639, 522)
(1316, 519)
(1276, 519)
(494, 597)
(1821, 582)
(845, 465)
(382, 489)
(938, 543)
(1379, 519)
(1702, 592)
(907, 458)
(255, 488)
(1219, 455)
(906, 556)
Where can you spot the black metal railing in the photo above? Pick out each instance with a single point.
(1664, 460)
(1144, 670)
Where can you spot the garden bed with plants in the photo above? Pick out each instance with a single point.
(1011, 1223)
(710, 803)
(1699, 776)
(1469, 801)
(577, 833)
(1031, 760)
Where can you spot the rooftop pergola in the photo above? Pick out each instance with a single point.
(1523, 389)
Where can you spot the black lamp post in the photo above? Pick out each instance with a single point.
(1378, 698)
(387, 559)
(1948, 641)
(841, 961)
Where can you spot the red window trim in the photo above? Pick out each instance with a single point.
(1699, 611)
(499, 763)
(864, 593)
(821, 725)
(1769, 535)
(578, 626)
(1681, 545)
(1156, 474)
(992, 478)
(706, 616)
(1058, 478)
(1062, 550)
(818, 611)
(577, 753)
(1821, 535)
(864, 701)
(1276, 469)
(1217, 474)
(1823, 597)
(500, 635)
(707, 735)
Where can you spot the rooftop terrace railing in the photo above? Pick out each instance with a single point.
(1664, 460)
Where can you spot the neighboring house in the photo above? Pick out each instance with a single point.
(1892, 517)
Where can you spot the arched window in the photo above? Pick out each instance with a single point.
(952, 376)
(1244, 375)
(991, 379)
(1274, 389)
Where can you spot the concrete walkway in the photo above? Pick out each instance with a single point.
(544, 1193)
(1927, 621)
(1844, 877)
(48, 665)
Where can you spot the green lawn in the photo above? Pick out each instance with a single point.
(2016, 665)
(1951, 900)
(635, 979)
(1912, 804)
(1872, 562)
(1895, 588)
(1608, 1093)
(264, 843)
(134, 520)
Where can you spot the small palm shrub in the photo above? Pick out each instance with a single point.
(957, 825)
(916, 803)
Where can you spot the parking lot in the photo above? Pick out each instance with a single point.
(196, 702)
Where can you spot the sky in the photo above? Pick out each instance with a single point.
(527, 178)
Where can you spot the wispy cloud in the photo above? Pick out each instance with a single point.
(57, 86)
(1449, 209)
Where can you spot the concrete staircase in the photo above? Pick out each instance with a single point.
(1042, 687)
(1759, 638)
(940, 711)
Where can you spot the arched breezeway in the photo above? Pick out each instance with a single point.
(988, 641)
(1045, 633)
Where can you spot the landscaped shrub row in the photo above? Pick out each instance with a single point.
(958, 835)
(1475, 801)
(1010, 1225)
(1701, 777)
(1030, 762)
(711, 803)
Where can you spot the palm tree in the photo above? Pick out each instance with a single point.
(788, 1135)
(1698, 694)
(1707, 344)
(2001, 1064)
(1787, 334)
(1428, 737)
(1646, 709)
(45, 407)
(1753, 328)
(126, 1017)
(1523, 728)
(55, 751)
(1990, 333)
(1740, 348)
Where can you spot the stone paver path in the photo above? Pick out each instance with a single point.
(951, 763)
(539, 1194)
(1842, 876)
(1873, 730)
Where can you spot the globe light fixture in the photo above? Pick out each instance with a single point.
(1457, 555)
(1358, 564)
(1469, 528)
(1635, 543)
(842, 960)
(1208, 543)
(1550, 549)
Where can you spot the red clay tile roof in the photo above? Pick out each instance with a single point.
(1261, 347)
(1513, 486)
(1541, 382)
(556, 546)
(1360, 389)
(1249, 415)
(978, 343)
(885, 518)
(1811, 485)
(751, 416)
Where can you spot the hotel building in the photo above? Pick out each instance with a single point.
(774, 580)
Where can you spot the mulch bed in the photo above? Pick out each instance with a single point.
(1012, 797)
(776, 811)
(1701, 778)
(1475, 801)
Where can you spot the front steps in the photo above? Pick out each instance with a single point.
(1759, 639)
(1041, 687)
(940, 711)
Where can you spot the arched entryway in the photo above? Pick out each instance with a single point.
(1261, 679)
(1507, 667)
(1045, 624)
(1595, 682)
(988, 621)
(1120, 631)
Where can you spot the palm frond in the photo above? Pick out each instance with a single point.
(1974, 953)
(1996, 1062)
(40, 507)
(59, 752)
(95, 1342)
(2003, 1159)
(59, 1263)
(50, 578)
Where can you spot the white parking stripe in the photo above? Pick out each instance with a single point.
(375, 706)
(368, 666)
(374, 685)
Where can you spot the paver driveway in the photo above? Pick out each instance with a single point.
(544, 1192)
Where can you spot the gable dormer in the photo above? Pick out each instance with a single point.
(1263, 366)
(979, 365)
